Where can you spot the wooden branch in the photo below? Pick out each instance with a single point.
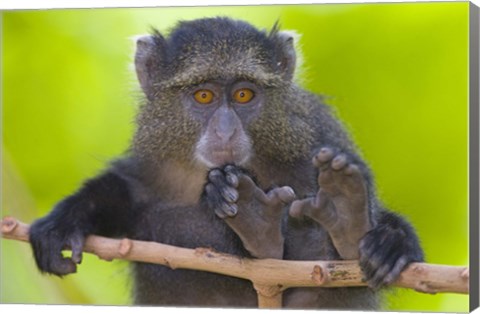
(269, 276)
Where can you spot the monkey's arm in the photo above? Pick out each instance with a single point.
(102, 206)
(255, 216)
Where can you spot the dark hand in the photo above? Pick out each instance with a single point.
(48, 239)
(387, 249)
(341, 204)
(254, 215)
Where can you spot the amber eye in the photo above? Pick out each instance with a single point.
(243, 95)
(203, 96)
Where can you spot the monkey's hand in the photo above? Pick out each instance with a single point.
(48, 239)
(255, 216)
(387, 249)
(102, 207)
(341, 203)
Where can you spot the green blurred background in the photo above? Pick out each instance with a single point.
(396, 74)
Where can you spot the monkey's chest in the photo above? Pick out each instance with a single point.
(189, 227)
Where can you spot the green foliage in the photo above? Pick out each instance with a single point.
(397, 75)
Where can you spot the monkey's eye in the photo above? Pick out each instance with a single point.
(243, 95)
(203, 96)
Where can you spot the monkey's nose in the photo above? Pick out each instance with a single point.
(225, 124)
(225, 134)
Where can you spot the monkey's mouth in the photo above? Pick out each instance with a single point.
(226, 153)
(214, 154)
(219, 157)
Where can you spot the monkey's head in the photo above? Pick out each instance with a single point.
(217, 91)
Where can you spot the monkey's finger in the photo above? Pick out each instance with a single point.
(374, 253)
(230, 194)
(232, 169)
(248, 188)
(376, 281)
(281, 195)
(366, 251)
(212, 194)
(272, 199)
(352, 169)
(246, 184)
(220, 213)
(355, 183)
(397, 269)
(231, 174)
(216, 202)
(339, 162)
(232, 179)
(226, 210)
(76, 244)
(47, 249)
(376, 237)
(61, 266)
(323, 211)
(381, 270)
(323, 157)
(230, 209)
(299, 208)
(218, 178)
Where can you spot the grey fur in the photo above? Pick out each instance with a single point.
(162, 191)
(291, 126)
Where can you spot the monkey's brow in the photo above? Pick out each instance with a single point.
(258, 78)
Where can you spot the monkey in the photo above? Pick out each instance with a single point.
(231, 153)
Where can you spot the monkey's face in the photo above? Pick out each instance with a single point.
(223, 109)
(207, 123)
(212, 88)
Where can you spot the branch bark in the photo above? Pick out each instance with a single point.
(269, 276)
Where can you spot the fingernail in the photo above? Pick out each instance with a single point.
(231, 195)
(233, 210)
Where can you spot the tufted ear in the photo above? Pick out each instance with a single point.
(286, 58)
(149, 58)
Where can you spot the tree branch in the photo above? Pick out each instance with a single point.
(269, 276)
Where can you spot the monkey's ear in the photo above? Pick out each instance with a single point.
(285, 51)
(149, 58)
